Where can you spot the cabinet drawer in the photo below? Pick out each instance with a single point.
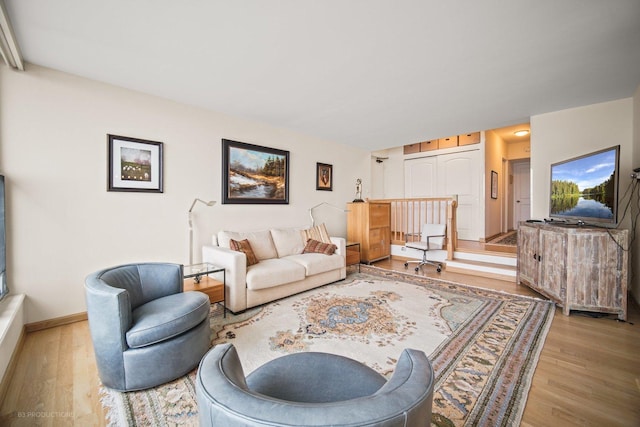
(469, 138)
(448, 142)
(353, 257)
(429, 145)
(412, 148)
(379, 215)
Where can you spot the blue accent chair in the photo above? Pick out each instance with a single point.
(145, 330)
(313, 389)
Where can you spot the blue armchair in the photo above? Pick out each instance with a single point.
(145, 330)
(313, 389)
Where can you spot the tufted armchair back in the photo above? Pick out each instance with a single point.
(144, 282)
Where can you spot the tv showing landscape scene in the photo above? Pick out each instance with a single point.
(585, 189)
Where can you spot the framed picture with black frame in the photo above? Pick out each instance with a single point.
(494, 184)
(324, 177)
(134, 164)
(252, 174)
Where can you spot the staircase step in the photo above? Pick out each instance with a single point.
(486, 257)
(483, 269)
(491, 264)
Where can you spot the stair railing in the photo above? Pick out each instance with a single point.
(408, 215)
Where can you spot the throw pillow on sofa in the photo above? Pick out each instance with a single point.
(314, 246)
(244, 246)
(319, 233)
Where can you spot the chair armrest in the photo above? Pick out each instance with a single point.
(406, 235)
(436, 235)
(109, 314)
(235, 266)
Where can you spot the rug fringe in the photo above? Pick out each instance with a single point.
(436, 280)
(536, 358)
(112, 402)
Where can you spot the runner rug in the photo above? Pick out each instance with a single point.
(483, 345)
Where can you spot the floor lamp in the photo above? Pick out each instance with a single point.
(320, 204)
(210, 203)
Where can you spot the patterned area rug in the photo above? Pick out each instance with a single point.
(483, 345)
(509, 239)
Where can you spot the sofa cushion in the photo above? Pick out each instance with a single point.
(314, 263)
(288, 241)
(319, 233)
(167, 317)
(245, 247)
(274, 272)
(261, 242)
(313, 246)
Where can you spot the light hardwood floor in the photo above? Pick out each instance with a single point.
(588, 373)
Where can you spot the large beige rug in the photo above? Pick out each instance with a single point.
(483, 345)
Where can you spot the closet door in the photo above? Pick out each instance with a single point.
(447, 175)
(420, 177)
(459, 174)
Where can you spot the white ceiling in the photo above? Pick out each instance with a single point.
(370, 73)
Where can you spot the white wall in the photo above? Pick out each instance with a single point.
(495, 153)
(635, 254)
(63, 224)
(569, 133)
(387, 178)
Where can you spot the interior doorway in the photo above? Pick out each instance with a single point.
(521, 200)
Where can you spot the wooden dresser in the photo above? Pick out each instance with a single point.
(579, 268)
(369, 223)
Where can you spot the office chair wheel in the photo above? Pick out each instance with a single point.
(406, 264)
(439, 269)
(417, 269)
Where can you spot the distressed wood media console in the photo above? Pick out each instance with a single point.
(578, 268)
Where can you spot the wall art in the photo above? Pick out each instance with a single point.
(134, 164)
(252, 174)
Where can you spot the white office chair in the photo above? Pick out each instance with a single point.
(431, 237)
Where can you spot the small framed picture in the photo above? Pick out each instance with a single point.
(324, 177)
(134, 164)
(494, 184)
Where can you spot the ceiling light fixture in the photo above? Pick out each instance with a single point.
(522, 132)
(8, 47)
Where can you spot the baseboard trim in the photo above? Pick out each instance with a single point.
(58, 321)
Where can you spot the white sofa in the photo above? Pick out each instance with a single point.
(282, 269)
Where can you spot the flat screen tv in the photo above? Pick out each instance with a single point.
(585, 189)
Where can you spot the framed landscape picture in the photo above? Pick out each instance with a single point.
(252, 174)
(134, 164)
(324, 177)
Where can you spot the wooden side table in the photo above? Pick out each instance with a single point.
(353, 254)
(196, 278)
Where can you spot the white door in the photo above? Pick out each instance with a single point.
(420, 177)
(459, 174)
(447, 175)
(521, 192)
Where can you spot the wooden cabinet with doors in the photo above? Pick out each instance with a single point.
(578, 268)
(369, 223)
